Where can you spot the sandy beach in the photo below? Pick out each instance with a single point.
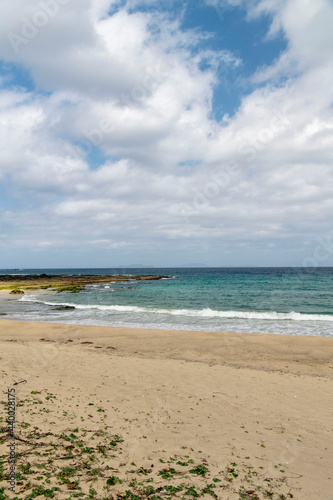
(126, 413)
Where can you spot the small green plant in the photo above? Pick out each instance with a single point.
(208, 490)
(67, 472)
(200, 470)
(192, 492)
(116, 439)
(88, 450)
(26, 469)
(167, 473)
(92, 492)
(143, 471)
(113, 480)
(173, 489)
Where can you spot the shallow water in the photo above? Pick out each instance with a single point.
(296, 301)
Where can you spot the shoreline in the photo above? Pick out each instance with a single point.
(134, 305)
(185, 413)
(5, 294)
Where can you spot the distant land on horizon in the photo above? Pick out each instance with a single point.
(130, 266)
(141, 266)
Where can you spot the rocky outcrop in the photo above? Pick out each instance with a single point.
(44, 281)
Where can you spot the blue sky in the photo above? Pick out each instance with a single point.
(245, 38)
(164, 133)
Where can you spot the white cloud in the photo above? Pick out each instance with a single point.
(306, 25)
(139, 95)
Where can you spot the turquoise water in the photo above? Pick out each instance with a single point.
(295, 301)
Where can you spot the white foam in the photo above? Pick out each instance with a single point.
(195, 313)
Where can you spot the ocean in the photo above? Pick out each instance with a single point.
(294, 301)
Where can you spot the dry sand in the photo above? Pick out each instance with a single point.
(251, 412)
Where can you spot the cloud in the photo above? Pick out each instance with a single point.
(134, 88)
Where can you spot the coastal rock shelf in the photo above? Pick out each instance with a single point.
(36, 281)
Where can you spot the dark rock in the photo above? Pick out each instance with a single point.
(64, 308)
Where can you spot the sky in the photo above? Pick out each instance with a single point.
(166, 132)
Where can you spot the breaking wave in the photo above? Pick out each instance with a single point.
(195, 313)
